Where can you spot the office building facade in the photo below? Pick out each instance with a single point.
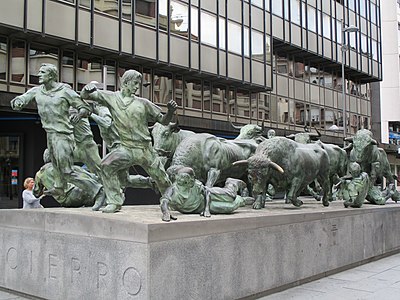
(277, 62)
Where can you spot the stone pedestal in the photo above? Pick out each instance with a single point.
(60, 253)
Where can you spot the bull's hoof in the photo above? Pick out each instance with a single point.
(111, 208)
(298, 203)
(325, 203)
(206, 214)
(346, 205)
(257, 205)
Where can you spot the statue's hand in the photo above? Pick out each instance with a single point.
(89, 88)
(17, 104)
(172, 105)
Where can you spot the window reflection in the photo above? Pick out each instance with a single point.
(111, 77)
(127, 9)
(231, 102)
(179, 18)
(193, 94)
(208, 29)
(219, 100)
(146, 12)
(277, 8)
(299, 113)
(234, 37)
(107, 6)
(292, 110)
(257, 42)
(295, 11)
(18, 61)
(88, 70)
(178, 86)
(162, 88)
(39, 55)
(146, 85)
(67, 68)
(3, 58)
(207, 96)
(243, 103)
(283, 110)
(264, 106)
(326, 26)
(311, 19)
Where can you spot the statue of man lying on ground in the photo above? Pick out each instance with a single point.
(189, 195)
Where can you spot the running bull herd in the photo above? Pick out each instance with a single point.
(194, 172)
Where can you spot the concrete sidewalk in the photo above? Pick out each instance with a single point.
(379, 279)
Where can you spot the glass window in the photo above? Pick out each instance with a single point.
(277, 7)
(178, 86)
(207, 96)
(246, 41)
(257, 42)
(109, 7)
(146, 12)
(127, 9)
(266, 5)
(146, 86)
(179, 18)
(299, 69)
(162, 87)
(193, 94)
(295, 11)
(243, 103)
(281, 65)
(194, 23)
(352, 4)
(363, 10)
(219, 101)
(299, 113)
(286, 8)
(234, 37)
(39, 55)
(222, 33)
(88, 70)
(327, 26)
(208, 29)
(264, 106)
(283, 110)
(18, 61)
(67, 68)
(373, 13)
(111, 76)
(3, 58)
(85, 3)
(364, 46)
(231, 102)
(311, 19)
(258, 3)
(268, 48)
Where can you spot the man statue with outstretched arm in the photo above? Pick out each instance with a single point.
(131, 115)
(54, 100)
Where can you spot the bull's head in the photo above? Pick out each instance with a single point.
(259, 171)
(164, 138)
(363, 146)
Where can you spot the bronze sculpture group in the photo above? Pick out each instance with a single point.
(183, 166)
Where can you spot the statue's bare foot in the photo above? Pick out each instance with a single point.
(206, 214)
(299, 203)
(257, 204)
(111, 208)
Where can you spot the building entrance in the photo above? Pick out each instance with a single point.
(10, 167)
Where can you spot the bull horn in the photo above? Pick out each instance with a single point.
(276, 167)
(374, 142)
(349, 139)
(151, 128)
(234, 126)
(240, 162)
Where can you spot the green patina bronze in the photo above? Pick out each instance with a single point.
(130, 116)
(54, 101)
(353, 188)
(189, 195)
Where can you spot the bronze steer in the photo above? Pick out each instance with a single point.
(289, 166)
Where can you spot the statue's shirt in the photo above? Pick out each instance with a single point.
(131, 116)
(53, 106)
